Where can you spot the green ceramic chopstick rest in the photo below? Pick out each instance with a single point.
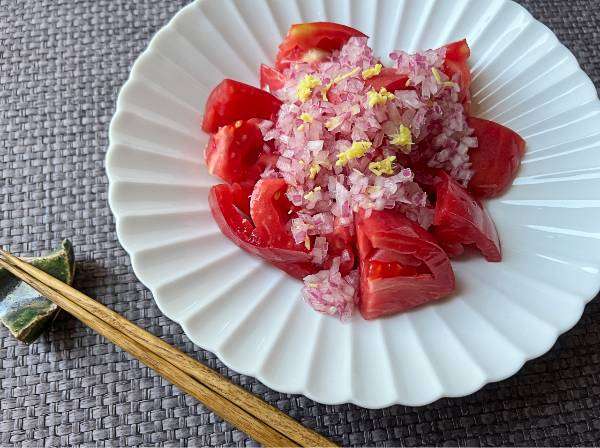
(23, 310)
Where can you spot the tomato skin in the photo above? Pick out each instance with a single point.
(225, 202)
(458, 51)
(303, 37)
(271, 77)
(401, 265)
(496, 160)
(231, 101)
(232, 153)
(461, 220)
(389, 78)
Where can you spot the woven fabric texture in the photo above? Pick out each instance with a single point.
(61, 65)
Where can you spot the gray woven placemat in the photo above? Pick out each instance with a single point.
(61, 65)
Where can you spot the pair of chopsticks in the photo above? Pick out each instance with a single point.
(261, 421)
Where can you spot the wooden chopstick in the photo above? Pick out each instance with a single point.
(227, 410)
(254, 405)
(244, 410)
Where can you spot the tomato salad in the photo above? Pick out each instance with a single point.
(361, 180)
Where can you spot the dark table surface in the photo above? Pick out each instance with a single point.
(61, 65)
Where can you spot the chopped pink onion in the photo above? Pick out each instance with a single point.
(329, 292)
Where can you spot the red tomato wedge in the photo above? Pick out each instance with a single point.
(460, 220)
(232, 153)
(496, 160)
(312, 42)
(231, 101)
(228, 204)
(457, 54)
(389, 78)
(271, 77)
(269, 209)
(401, 265)
(458, 51)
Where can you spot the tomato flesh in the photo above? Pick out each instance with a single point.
(231, 101)
(386, 269)
(233, 152)
(460, 220)
(226, 202)
(304, 37)
(496, 160)
(458, 51)
(388, 78)
(269, 209)
(411, 271)
(271, 77)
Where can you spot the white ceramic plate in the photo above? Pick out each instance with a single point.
(251, 315)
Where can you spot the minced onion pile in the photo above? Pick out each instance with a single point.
(339, 142)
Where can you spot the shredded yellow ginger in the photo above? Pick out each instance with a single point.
(385, 166)
(357, 150)
(336, 80)
(306, 86)
(314, 170)
(438, 78)
(307, 118)
(372, 71)
(347, 75)
(402, 138)
(311, 194)
(381, 97)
